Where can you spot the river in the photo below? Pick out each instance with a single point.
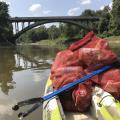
(23, 73)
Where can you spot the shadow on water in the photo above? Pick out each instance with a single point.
(7, 64)
(23, 73)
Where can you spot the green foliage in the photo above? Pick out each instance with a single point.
(99, 13)
(104, 34)
(71, 31)
(39, 33)
(103, 25)
(34, 35)
(115, 19)
(108, 25)
(53, 32)
(88, 13)
(6, 32)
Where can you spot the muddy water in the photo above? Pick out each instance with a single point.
(23, 73)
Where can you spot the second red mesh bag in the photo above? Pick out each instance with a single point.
(109, 81)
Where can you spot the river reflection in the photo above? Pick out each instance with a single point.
(23, 73)
(7, 64)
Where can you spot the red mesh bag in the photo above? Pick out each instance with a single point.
(65, 58)
(94, 58)
(94, 52)
(81, 58)
(65, 75)
(82, 96)
(81, 43)
(90, 41)
(77, 99)
(110, 82)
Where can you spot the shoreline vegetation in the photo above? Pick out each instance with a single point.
(107, 27)
(59, 42)
(61, 36)
(114, 41)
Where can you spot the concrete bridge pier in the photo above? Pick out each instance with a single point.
(23, 25)
(16, 27)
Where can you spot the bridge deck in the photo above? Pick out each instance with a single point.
(36, 19)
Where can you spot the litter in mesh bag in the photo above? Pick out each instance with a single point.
(80, 59)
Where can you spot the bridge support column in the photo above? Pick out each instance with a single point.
(16, 27)
(28, 23)
(23, 25)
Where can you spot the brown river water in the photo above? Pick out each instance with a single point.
(23, 74)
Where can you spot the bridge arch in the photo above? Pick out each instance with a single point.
(17, 35)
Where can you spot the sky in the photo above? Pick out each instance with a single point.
(28, 8)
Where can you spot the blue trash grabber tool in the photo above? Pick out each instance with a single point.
(39, 101)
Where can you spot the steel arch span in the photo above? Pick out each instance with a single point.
(18, 34)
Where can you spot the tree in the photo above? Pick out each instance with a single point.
(6, 32)
(32, 35)
(115, 19)
(104, 20)
(62, 29)
(71, 31)
(88, 13)
(94, 25)
(53, 32)
(42, 33)
(99, 13)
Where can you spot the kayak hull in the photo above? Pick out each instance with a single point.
(53, 110)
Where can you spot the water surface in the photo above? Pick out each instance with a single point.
(23, 73)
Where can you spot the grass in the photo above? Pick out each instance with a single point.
(62, 43)
(59, 43)
(113, 38)
(114, 41)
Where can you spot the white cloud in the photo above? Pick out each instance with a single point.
(73, 11)
(50, 24)
(102, 7)
(46, 12)
(35, 7)
(110, 5)
(7, 2)
(3, 0)
(84, 2)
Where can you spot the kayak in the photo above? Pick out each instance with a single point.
(52, 109)
(103, 107)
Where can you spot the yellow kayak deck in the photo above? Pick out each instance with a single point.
(52, 109)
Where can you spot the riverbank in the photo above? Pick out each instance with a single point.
(114, 41)
(62, 43)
